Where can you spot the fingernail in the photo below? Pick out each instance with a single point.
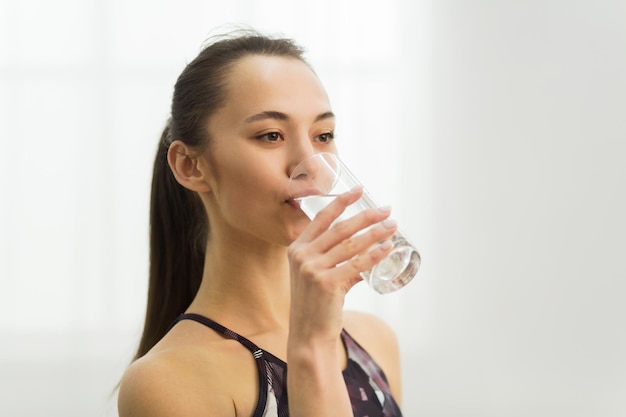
(384, 209)
(389, 223)
(357, 188)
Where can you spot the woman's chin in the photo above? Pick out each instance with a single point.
(296, 228)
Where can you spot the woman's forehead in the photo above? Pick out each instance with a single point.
(267, 83)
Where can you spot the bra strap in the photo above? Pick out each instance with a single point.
(254, 349)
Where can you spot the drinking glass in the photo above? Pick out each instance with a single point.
(317, 181)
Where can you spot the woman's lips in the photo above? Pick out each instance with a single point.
(293, 203)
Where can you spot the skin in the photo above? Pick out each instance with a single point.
(270, 274)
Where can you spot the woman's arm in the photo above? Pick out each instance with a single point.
(325, 264)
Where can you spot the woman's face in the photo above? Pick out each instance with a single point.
(276, 113)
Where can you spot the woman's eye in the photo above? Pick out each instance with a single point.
(326, 137)
(271, 137)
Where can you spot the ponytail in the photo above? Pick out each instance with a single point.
(178, 234)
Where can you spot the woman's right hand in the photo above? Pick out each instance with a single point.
(326, 262)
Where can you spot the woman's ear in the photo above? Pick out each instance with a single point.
(187, 168)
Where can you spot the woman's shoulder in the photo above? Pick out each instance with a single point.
(181, 376)
(370, 330)
(379, 339)
(161, 382)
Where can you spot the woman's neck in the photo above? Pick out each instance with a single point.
(245, 285)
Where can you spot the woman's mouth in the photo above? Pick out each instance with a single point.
(293, 203)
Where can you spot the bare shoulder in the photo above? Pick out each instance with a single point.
(160, 384)
(371, 332)
(188, 374)
(379, 339)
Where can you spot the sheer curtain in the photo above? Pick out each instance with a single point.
(84, 92)
(496, 131)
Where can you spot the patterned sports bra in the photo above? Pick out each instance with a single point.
(367, 385)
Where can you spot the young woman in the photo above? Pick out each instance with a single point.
(241, 282)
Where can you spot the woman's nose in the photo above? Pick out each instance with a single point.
(303, 177)
(298, 154)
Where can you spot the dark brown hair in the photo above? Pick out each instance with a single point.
(179, 226)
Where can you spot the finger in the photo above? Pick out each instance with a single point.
(359, 244)
(329, 214)
(346, 229)
(350, 271)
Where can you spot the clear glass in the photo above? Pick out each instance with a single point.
(315, 183)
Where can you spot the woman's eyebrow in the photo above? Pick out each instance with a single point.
(269, 114)
(325, 115)
(276, 115)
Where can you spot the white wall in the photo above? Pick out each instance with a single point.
(497, 131)
(525, 312)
